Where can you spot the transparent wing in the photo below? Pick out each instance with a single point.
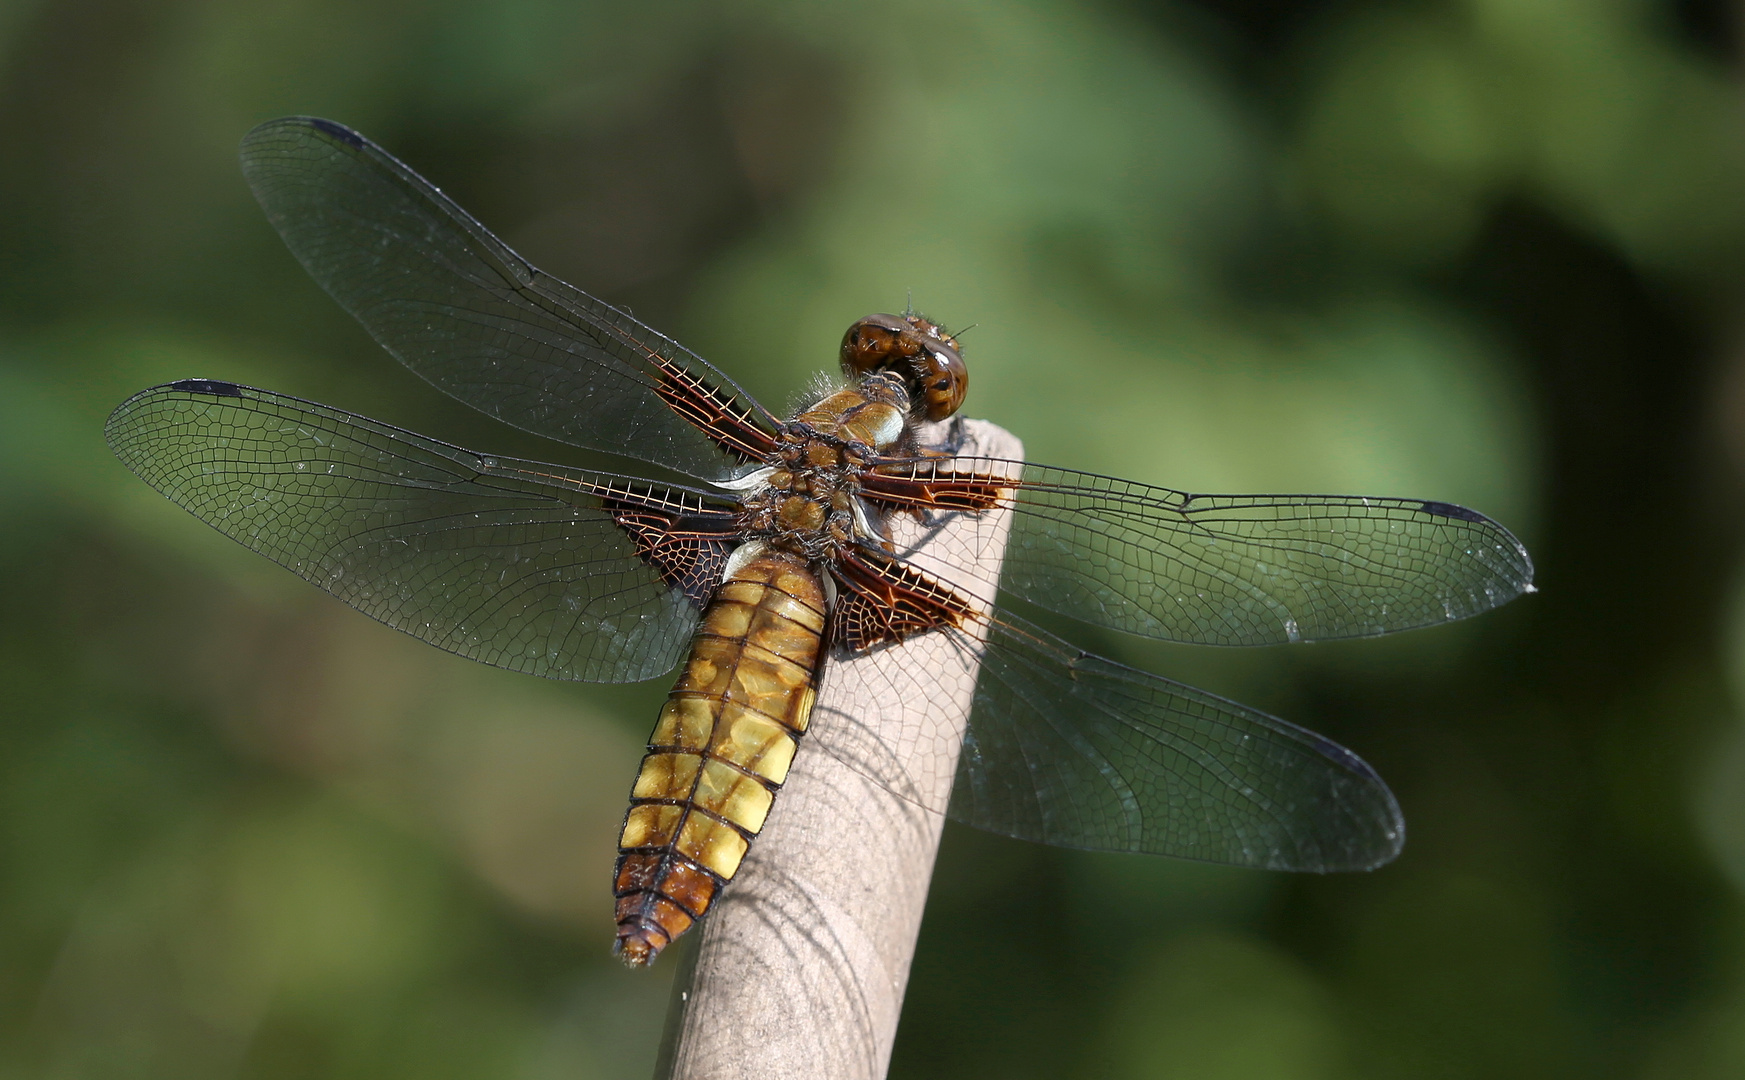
(521, 565)
(459, 307)
(1074, 750)
(1067, 748)
(1220, 569)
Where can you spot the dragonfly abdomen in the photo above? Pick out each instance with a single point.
(720, 750)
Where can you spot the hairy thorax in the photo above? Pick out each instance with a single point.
(808, 500)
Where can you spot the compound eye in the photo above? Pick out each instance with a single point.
(873, 343)
(944, 381)
(915, 349)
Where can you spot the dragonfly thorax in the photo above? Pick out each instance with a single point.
(809, 502)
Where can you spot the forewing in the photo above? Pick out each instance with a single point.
(1220, 569)
(1075, 750)
(524, 566)
(463, 310)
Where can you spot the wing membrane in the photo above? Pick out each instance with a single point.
(1067, 748)
(459, 307)
(521, 565)
(1071, 749)
(1221, 569)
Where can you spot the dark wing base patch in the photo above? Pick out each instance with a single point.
(881, 602)
(688, 558)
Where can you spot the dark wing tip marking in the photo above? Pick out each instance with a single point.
(1345, 758)
(1393, 831)
(1449, 510)
(208, 386)
(337, 130)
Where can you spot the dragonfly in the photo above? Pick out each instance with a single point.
(778, 555)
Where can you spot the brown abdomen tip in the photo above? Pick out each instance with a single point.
(637, 947)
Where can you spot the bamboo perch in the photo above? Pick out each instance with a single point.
(801, 968)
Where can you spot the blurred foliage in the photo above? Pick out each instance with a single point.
(1485, 251)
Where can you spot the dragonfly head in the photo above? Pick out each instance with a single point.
(925, 354)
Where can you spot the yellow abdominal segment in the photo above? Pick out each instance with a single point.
(720, 750)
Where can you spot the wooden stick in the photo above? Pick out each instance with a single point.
(801, 968)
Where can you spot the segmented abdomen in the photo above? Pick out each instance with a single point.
(720, 750)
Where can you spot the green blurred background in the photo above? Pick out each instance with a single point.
(1483, 251)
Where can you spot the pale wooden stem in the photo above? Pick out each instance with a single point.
(801, 967)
